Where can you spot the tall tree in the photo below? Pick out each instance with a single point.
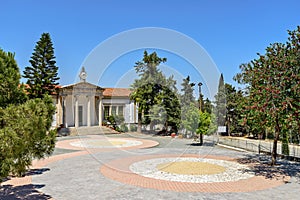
(148, 85)
(274, 87)
(187, 88)
(24, 126)
(234, 111)
(11, 92)
(221, 102)
(42, 75)
(207, 106)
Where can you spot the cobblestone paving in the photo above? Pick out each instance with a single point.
(79, 176)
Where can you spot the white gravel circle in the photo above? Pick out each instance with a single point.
(234, 171)
(93, 143)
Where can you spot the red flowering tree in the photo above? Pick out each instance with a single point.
(273, 82)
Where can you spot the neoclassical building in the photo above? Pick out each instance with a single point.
(86, 104)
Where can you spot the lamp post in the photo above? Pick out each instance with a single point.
(200, 106)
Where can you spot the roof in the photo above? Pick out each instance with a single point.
(116, 92)
(80, 84)
(26, 86)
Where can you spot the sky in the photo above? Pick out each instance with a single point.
(231, 32)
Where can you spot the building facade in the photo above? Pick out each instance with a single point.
(86, 104)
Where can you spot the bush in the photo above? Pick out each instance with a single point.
(124, 128)
(25, 135)
(133, 128)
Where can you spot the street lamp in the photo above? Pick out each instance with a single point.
(200, 84)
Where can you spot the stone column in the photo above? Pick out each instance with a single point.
(88, 111)
(100, 111)
(59, 111)
(63, 107)
(76, 112)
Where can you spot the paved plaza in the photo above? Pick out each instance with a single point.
(141, 166)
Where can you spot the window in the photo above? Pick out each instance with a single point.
(106, 112)
(120, 111)
(114, 110)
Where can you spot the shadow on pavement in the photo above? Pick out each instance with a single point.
(9, 192)
(32, 172)
(29, 191)
(205, 144)
(260, 166)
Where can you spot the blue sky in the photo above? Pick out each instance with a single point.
(231, 31)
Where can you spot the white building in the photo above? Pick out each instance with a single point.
(86, 104)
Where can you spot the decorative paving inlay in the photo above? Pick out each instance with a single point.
(195, 170)
(106, 143)
(157, 172)
(102, 143)
(190, 168)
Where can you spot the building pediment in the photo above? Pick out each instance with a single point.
(82, 88)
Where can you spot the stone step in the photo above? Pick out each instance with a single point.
(93, 130)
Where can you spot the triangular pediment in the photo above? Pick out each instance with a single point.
(82, 85)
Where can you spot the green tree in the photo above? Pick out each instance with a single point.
(25, 135)
(204, 124)
(170, 101)
(24, 126)
(234, 112)
(274, 87)
(221, 103)
(11, 92)
(187, 98)
(42, 75)
(187, 89)
(191, 122)
(152, 89)
(207, 106)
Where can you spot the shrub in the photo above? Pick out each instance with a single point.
(133, 128)
(25, 135)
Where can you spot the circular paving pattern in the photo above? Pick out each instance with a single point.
(102, 143)
(216, 174)
(194, 170)
(106, 143)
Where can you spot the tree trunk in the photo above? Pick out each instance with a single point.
(285, 143)
(151, 126)
(277, 133)
(166, 126)
(139, 128)
(201, 138)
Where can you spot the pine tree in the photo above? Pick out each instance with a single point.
(187, 88)
(154, 92)
(42, 75)
(10, 90)
(148, 85)
(24, 125)
(207, 106)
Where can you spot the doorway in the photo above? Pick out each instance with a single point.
(80, 115)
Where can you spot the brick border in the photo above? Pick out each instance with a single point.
(65, 144)
(118, 170)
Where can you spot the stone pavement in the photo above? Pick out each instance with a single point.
(80, 174)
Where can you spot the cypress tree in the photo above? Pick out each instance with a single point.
(221, 102)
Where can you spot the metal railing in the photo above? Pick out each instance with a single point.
(259, 146)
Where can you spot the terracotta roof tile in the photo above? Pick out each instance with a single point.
(116, 92)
